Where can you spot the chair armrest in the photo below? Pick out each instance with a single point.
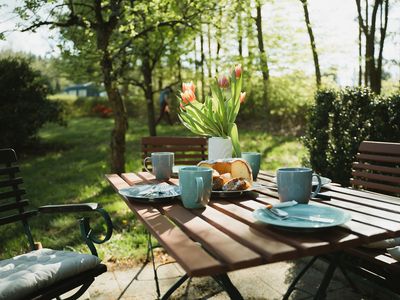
(86, 230)
(68, 208)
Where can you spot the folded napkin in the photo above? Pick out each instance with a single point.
(158, 190)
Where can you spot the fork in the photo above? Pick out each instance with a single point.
(275, 212)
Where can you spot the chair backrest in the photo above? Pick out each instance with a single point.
(377, 167)
(188, 150)
(12, 203)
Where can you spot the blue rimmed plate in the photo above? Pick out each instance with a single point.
(151, 193)
(338, 216)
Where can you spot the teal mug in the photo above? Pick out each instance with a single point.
(162, 163)
(254, 160)
(195, 184)
(296, 184)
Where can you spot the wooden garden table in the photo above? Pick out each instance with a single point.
(225, 236)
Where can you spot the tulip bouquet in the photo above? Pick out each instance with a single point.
(216, 115)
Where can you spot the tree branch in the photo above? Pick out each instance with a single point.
(360, 18)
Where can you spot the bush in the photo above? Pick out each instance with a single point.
(24, 108)
(289, 98)
(340, 121)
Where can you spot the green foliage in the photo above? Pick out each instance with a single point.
(341, 120)
(24, 108)
(289, 99)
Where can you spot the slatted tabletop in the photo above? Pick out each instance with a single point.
(225, 236)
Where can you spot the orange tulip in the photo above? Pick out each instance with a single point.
(223, 82)
(238, 71)
(188, 86)
(188, 96)
(242, 97)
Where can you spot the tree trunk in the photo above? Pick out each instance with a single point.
(219, 35)
(202, 63)
(148, 93)
(179, 70)
(209, 61)
(312, 42)
(240, 33)
(373, 66)
(383, 28)
(359, 55)
(263, 56)
(120, 118)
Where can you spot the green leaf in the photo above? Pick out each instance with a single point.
(234, 134)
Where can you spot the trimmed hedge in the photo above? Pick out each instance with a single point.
(340, 120)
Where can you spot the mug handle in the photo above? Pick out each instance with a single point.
(199, 189)
(145, 162)
(318, 187)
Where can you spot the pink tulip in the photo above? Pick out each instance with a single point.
(238, 71)
(242, 97)
(188, 96)
(223, 82)
(188, 86)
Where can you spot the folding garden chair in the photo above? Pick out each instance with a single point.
(44, 273)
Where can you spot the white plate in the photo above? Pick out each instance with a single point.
(142, 192)
(324, 180)
(304, 210)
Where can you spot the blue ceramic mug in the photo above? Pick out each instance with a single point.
(254, 160)
(296, 184)
(195, 185)
(162, 163)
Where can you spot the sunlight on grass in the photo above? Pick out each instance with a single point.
(72, 168)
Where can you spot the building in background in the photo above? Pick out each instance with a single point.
(88, 89)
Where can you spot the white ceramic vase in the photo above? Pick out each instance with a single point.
(219, 147)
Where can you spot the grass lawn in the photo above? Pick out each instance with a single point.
(70, 168)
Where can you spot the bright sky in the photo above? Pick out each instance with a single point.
(334, 26)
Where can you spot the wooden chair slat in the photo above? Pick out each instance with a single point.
(15, 205)
(382, 169)
(14, 193)
(9, 171)
(17, 217)
(380, 147)
(170, 140)
(377, 167)
(212, 239)
(376, 177)
(178, 156)
(375, 186)
(378, 158)
(188, 150)
(7, 156)
(11, 182)
(171, 148)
